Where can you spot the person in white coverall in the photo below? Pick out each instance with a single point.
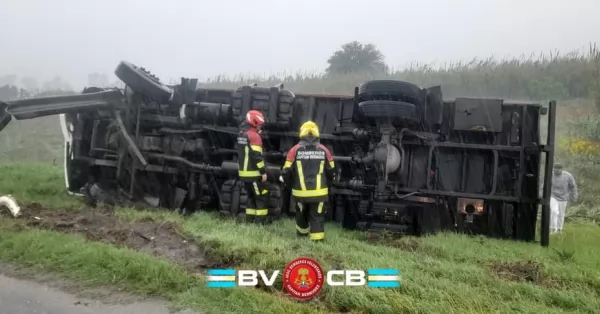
(564, 189)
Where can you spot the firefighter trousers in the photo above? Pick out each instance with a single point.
(256, 206)
(310, 219)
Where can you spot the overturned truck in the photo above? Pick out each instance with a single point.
(407, 160)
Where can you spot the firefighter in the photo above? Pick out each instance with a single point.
(251, 166)
(308, 169)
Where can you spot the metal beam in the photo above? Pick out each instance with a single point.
(545, 223)
(131, 144)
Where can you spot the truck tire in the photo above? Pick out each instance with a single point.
(261, 100)
(226, 197)
(275, 202)
(382, 109)
(142, 81)
(347, 212)
(399, 90)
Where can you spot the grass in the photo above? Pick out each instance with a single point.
(38, 140)
(43, 183)
(444, 273)
(95, 263)
(447, 273)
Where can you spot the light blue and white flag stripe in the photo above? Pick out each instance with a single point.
(383, 278)
(221, 278)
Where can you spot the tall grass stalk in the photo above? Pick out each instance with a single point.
(538, 76)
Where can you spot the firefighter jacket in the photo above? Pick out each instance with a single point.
(309, 167)
(251, 164)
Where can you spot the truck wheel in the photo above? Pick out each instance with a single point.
(385, 109)
(275, 201)
(346, 212)
(225, 197)
(399, 90)
(141, 81)
(340, 210)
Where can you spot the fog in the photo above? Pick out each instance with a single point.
(71, 38)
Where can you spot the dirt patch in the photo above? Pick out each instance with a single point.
(159, 238)
(404, 243)
(523, 271)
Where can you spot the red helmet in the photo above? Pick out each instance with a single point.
(255, 118)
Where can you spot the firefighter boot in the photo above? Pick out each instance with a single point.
(262, 212)
(250, 217)
(251, 202)
(301, 221)
(316, 219)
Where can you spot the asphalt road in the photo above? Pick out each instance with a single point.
(28, 297)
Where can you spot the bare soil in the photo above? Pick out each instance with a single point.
(158, 238)
(523, 271)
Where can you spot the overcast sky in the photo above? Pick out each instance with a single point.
(199, 38)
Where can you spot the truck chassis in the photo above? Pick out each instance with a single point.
(408, 160)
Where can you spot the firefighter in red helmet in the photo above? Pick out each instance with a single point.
(251, 166)
(309, 169)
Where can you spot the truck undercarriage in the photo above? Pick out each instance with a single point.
(407, 160)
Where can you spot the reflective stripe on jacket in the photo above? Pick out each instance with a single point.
(309, 166)
(251, 165)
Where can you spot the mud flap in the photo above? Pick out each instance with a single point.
(429, 219)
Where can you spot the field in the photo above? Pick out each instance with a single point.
(446, 273)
